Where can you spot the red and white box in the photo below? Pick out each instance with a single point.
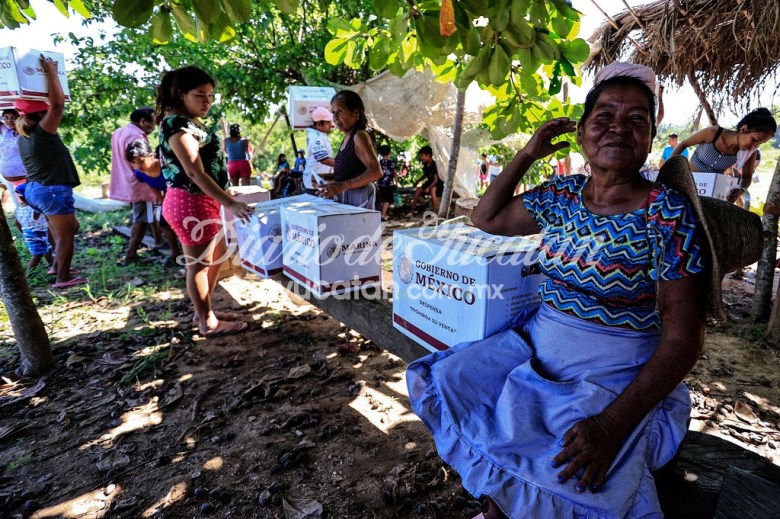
(22, 77)
(260, 239)
(455, 283)
(715, 185)
(332, 248)
(246, 194)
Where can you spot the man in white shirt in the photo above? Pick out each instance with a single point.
(319, 153)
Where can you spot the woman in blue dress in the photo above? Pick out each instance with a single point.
(569, 414)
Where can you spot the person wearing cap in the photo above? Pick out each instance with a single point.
(51, 173)
(11, 167)
(125, 187)
(355, 166)
(669, 148)
(569, 411)
(239, 154)
(35, 231)
(319, 152)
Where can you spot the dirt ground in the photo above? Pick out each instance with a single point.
(143, 418)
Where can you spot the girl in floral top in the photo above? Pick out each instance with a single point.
(194, 169)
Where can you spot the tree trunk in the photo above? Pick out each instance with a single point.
(457, 132)
(762, 297)
(30, 334)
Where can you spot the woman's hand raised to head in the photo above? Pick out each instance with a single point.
(541, 144)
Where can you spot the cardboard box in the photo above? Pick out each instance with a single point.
(21, 75)
(246, 194)
(332, 248)
(303, 100)
(260, 239)
(453, 284)
(715, 185)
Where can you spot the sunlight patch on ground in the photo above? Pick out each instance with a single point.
(384, 412)
(762, 403)
(97, 319)
(214, 463)
(175, 494)
(154, 384)
(398, 386)
(141, 417)
(92, 505)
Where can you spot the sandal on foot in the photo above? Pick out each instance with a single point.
(53, 272)
(226, 328)
(72, 282)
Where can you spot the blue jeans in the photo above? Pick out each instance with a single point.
(56, 199)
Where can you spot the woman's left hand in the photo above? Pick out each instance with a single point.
(592, 445)
(331, 189)
(240, 210)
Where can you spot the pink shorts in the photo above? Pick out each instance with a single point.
(239, 168)
(194, 218)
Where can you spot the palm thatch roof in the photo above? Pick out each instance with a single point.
(726, 49)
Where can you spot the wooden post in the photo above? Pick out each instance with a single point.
(28, 328)
(762, 297)
(704, 103)
(457, 132)
(292, 135)
(265, 138)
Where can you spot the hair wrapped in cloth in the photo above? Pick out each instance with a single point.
(619, 68)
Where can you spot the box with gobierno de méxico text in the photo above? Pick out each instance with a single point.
(246, 194)
(715, 185)
(455, 283)
(302, 102)
(332, 248)
(259, 240)
(22, 76)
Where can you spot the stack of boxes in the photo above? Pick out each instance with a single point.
(259, 240)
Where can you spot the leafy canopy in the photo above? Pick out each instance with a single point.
(519, 50)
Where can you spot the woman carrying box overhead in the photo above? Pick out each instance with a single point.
(194, 169)
(718, 149)
(569, 414)
(51, 173)
(356, 167)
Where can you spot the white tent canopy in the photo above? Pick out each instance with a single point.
(403, 107)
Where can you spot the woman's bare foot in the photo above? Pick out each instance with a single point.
(222, 316)
(223, 328)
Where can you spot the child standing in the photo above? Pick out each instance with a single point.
(388, 181)
(35, 230)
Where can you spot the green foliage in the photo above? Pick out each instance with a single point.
(115, 74)
(521, 55)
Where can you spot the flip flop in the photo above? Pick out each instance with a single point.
(72, 272)
(72, 282)
(242, 327)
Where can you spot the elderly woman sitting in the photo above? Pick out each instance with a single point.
(567, 415)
